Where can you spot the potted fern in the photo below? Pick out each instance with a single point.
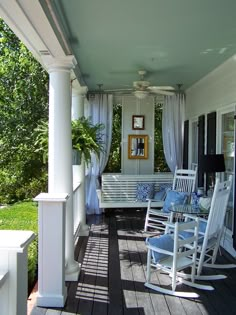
(86, 139)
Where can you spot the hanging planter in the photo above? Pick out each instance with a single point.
(86, 138)
(76, 157)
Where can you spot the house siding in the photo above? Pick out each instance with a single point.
(215, 92)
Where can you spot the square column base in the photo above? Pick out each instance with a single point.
(51, 300)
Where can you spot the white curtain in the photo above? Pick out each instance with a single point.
(100, 110)
(172, 129)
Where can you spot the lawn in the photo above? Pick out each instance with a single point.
(23, 216)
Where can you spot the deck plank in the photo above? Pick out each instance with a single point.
(113, 273)
(87, 279)
(38, 311)
(158, 301)
(115, 291)
(101, 296)
(130, 300)
(142, 294)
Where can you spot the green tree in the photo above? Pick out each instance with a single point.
(23, 103)
(160, 164)
(114, 160)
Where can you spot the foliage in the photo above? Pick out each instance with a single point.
(87, 137)
(13, 184)
(23, 103)
(41, 142)
(23, 216)
(114, 160)
(160, 164)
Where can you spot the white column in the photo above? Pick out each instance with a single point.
(51, 249)
(78, 96)
(60, 147)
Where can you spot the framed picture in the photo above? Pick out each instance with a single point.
(138, 146)
(137, 122)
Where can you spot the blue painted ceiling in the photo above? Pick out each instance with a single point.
(175, 41)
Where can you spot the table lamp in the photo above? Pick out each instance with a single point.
(212, 163)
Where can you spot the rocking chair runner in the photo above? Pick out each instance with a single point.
(163, 258)
(211, 230)
(184, 181)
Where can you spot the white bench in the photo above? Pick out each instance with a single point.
(119, 191)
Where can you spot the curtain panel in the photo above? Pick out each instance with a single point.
(100, 110)
(173, 129)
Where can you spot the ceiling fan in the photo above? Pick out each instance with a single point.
(142, 88)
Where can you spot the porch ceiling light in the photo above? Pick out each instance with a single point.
(141, 94)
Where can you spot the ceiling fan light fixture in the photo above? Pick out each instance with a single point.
(141, 94)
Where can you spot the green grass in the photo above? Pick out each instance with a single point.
(23, 216)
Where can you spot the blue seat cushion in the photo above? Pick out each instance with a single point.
(159, 195)
(201, 228)
(165, 187)
(174, 197)
(165, 242)
(144, 191)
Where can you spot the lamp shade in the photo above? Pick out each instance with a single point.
(141, 94)
(211, 163)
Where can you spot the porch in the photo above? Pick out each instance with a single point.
(113, 259)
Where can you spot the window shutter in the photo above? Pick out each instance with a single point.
(211, 140)
(185, 152)
(201, 143)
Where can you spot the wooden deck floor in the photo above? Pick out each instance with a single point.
(113, 275)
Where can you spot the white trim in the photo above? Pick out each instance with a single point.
(52, 197)
(190, 140)
(227, 242)
(59, 64)
(28, 21)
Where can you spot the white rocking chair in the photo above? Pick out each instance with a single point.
(184, 181)
(170, 261)
(211, 230)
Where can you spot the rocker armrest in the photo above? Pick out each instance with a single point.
(193, 217)
(169, 224)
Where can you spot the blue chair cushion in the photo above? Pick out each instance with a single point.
(174, 197)
(159, 195)
(165, 242)
(144, 191)
(165, 187)
(201, 228)
(195, 200)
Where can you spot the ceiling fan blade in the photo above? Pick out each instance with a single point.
(117, 90)
(163, 92)
(152, 88)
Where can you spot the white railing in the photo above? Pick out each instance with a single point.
(76, 205)
(13, 271)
